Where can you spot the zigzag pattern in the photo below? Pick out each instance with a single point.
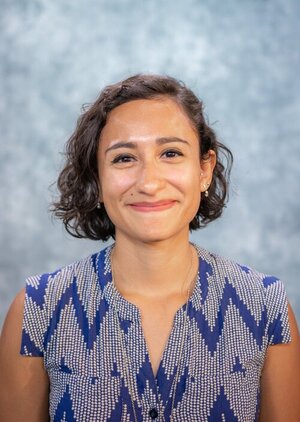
(229, 298)
(234, 314)
(89, 330)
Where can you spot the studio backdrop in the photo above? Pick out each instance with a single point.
(241, 58)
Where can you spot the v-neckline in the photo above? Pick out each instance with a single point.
(128, 311)
(177, 320)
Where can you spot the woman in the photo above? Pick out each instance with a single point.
(153, 327)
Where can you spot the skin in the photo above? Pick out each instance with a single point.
(149, 153)
(149, 167)
(140, 161)
(24, 384)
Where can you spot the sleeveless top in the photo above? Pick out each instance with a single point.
(234, 314)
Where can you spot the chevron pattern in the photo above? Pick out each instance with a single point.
(234, 314)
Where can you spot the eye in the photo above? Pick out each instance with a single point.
(172, 153)
(122, 158)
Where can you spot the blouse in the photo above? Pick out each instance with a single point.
(95, 353)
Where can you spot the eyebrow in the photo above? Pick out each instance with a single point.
(159, 141)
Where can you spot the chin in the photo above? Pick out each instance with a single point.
(157, 236)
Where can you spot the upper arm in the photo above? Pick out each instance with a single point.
(24, 384)
(280, 380)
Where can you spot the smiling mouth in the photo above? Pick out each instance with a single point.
(152, 206)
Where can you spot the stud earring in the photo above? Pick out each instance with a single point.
(99, 206)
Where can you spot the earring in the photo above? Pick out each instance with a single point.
(99, 206)
(206, 186)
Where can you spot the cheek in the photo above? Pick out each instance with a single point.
(187, 180)
(114, 184)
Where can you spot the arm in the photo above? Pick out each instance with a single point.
(24, 384)
(280, 381)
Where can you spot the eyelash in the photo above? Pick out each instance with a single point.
(173, 151)
(125, 158)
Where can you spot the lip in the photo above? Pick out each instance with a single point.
(152, 206)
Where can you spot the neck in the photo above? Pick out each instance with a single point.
(154, 269)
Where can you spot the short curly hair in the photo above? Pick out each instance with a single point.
(78, 182)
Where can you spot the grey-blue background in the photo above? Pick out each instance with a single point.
(241, 58)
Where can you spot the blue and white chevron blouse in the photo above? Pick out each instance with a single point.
(234, 314)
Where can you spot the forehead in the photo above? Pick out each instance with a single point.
(147, 118)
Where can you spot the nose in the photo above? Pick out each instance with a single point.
(150, 179)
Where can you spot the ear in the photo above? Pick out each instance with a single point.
(207, 165)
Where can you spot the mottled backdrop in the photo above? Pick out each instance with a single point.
(241, 57)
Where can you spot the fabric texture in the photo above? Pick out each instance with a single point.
(234, 314)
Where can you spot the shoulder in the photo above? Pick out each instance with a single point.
(237, 274)
(260, 299)
(83, 272)
(263, 294)
(15, 314)
(13, 323)
(59, 295)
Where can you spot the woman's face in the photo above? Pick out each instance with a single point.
(150, 172)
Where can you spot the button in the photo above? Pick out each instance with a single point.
(153, 413)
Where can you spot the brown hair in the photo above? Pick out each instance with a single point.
(78, 180)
